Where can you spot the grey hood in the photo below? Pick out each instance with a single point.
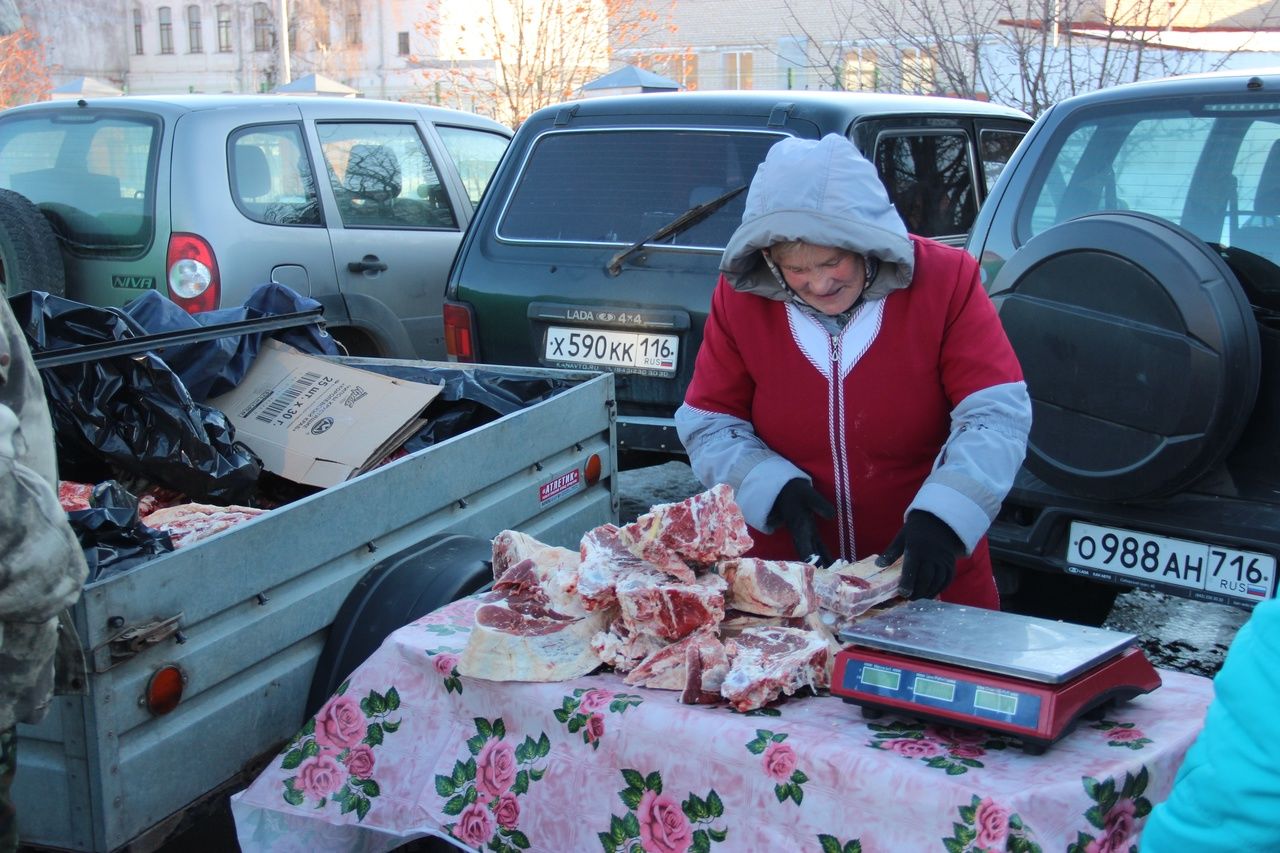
(822, 192)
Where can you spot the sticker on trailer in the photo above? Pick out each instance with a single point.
(561, 485)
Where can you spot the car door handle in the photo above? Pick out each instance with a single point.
(369, 263)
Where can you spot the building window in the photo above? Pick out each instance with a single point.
(195, 39)
(859, 74)
(917, 72)
(737, 70)
(403, 43)
(224, 29)
(353, 23)
(137, 32)
(166, 29)
(264, 37)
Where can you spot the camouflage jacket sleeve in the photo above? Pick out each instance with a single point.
(41, 565)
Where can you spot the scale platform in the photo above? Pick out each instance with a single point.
(1020, 675)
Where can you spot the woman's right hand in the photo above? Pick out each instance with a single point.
(794, 509)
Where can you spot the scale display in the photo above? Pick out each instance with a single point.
(1018, 675)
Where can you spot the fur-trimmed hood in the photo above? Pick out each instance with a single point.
(823, 192)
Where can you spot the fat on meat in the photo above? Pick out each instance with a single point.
(680, 538)
(621, 648)
(670, 610)
(603, 561)
(770, 587)
(519, 560)
(765, 663)
(518, 636)
(696, 663)
(191, 522)
(847, 590)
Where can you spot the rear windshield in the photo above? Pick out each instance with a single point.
(619, 186)
(92, 174)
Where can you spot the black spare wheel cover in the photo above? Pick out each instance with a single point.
(1140, 352)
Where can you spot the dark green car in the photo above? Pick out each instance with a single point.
(599, 240)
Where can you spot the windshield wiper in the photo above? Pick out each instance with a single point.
(688, 219)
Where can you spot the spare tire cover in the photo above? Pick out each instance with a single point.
(1140, 353)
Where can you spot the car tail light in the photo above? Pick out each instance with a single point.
(164, 689)
(193, 273)
(459, 331)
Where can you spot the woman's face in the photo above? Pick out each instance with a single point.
(829, 279)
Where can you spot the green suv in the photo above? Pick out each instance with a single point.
(360, 204)
(598, 243)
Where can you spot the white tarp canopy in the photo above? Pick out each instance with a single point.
(85, 87)
(316, 84)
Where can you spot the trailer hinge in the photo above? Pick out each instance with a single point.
(139, 638)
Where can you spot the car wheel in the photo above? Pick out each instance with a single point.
(1140, 352)
(29, 255)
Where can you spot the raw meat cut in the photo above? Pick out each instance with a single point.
(847, 590)
(520, 560)
(736, 621)
(769, 587)
(670, 610)
(623, 649)
(74, 496)
(517, 636)
(191, 522)
(668, 668)
(765, 663)
(694, 533)
(604, 561)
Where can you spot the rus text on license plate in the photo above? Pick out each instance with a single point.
(640, 352)
(1242, 575)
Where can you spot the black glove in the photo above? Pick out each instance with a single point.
(929, 549)
(794, 509)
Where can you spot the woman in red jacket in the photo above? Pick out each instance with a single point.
(854, 384)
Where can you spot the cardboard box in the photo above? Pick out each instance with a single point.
(319, 422)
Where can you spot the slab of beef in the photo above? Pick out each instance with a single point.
(770, 587)
(681, 537)
(74, 496)
(604, 560)
(847, 590)
(623, 649)
(191, 522)
(737, 621)
(765, 663)
(517, 636)
(520, 561)
(695, 665)
(670, 610)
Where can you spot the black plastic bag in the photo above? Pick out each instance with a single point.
(130, 414)
(470, 398)
(111, 535)
(211, 368)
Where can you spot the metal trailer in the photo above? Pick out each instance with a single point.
(244, 616)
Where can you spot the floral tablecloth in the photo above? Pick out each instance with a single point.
(408, 748)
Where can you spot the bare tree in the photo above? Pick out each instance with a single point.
(519, 55)
(1025, 53)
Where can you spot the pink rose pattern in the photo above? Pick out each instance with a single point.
(1115, 815)
(445, 664)
(484, 791)
(334, 752)
(953, 750)
(660, 822)
(779, 764)
(1125, 735)
(585, 710)
(990, 827)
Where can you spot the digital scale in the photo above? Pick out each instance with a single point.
(1017, 675)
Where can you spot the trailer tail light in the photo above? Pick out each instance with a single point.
(593, 469)
(459, 332)
(193, 273)
(164, 690)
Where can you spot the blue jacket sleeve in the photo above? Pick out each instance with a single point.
(1226, 796)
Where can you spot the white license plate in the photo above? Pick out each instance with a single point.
(636, 352)
(1243, 575)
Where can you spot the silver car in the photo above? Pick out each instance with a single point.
(360, 204)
